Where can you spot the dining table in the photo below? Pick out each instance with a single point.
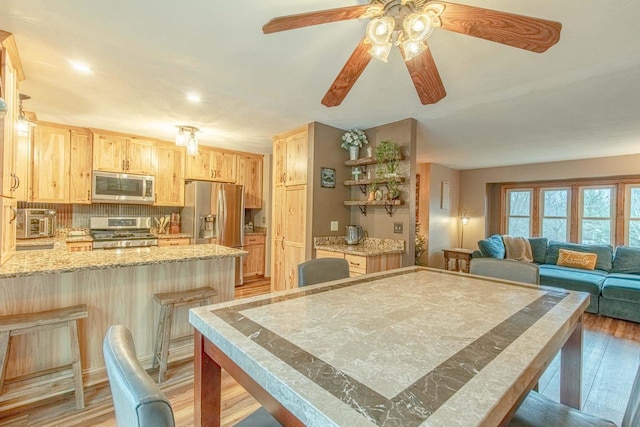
(408, 347)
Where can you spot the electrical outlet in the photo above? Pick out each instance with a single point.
(397, 227)
(334, 225)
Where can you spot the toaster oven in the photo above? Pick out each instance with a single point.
(35, 223)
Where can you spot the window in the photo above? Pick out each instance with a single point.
(519, 212)
(555, 213)
(632, 237)
(597, 215)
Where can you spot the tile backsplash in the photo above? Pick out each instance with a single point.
(78, 216)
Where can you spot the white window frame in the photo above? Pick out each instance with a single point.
(508, 215)
(627, 211)
(612, 211)
(568, 213)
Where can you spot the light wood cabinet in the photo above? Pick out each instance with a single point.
(9, 76)
(50, 170)
(80, 158)
(212, 165)
(290, 243)
(79, 246)
(253, 263)
(8, 221)
(250, 175)
(180, 241)
(114, 153)
(23, 166)
(169, 175)
(360, 264)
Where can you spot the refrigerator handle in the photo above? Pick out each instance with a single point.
(220, 218)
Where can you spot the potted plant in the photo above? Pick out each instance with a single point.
(352, 141)
(387, 157)
(373, 187)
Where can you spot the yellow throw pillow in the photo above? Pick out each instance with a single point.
(585, 260)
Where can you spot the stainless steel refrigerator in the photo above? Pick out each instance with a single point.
(214, 213)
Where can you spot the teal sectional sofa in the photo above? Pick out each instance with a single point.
(614, 283)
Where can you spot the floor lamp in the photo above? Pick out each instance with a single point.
(465, 220)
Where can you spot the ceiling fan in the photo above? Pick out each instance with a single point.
(409, 23)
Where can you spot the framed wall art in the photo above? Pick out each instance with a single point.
(327, 178)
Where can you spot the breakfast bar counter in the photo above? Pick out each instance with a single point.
(117, 285)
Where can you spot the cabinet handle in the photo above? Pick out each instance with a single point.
(17, 181)
(15, 214)
(354, 263)
(123, 165)
(155, 200)
(211, 173)
(88, 194)
(284, 176)
(31, 191)
(127, 164)
(282, 242)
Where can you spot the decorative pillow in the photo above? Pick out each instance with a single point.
(626, 260)
(539, 249)
(584, 260)
(492, 247)
(604, 252)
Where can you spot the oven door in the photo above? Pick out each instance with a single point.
(122, 188)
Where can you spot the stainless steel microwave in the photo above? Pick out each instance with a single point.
(108, 187)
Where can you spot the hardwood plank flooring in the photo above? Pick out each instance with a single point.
(611, 357)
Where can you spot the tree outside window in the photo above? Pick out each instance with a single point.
(519, 212)
(596, 225)
(633, 236)
(555, 214)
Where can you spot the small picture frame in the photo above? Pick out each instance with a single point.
(327, 178)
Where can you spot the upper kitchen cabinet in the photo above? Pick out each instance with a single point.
(169, 175)
(296, 159)
(212, 165)
(250, 175)
(80, 159)
(10, 74)
(49, 181)
(117, 153)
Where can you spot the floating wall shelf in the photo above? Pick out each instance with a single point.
(362, 204)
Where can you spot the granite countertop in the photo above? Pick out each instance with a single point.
(369, 246)
(37, 242)
(58, 260)
(255, 233)
(173, 236)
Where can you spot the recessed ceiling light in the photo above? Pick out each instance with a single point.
(193, 97)
(80, 67)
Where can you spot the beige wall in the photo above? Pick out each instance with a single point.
(473, 183)
(328, 203)
(377, 222)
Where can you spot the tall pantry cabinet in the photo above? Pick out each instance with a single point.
(291, 238)
(10, 73)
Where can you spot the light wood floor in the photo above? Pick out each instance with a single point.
(611, 358)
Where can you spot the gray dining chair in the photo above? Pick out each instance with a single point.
(506, 269)
(538, 411)
(321, 270)
(137, 400)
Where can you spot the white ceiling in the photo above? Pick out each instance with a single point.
(504, 106)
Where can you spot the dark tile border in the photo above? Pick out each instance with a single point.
(416, 403)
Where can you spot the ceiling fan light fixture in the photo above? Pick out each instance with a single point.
(379, 30)
(381, 51)
(413, 48)
(418, 26)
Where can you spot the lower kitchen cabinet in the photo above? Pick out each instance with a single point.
(8, 221)
(253, 263)
(360, 264)
(79, 246)
(180, 241)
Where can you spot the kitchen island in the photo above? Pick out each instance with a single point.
(117, 286)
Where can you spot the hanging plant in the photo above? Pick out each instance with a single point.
(387, 157)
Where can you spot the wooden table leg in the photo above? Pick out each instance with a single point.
(571, 368)
(207, 379)
(446, 261)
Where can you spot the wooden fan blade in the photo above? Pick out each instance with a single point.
(534, 34)
(425, 76)
(291, 22)
(355, 65)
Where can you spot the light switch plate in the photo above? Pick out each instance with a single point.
(397, 227)
(334, 225)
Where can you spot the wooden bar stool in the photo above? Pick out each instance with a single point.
(27, 323)
(168, 301)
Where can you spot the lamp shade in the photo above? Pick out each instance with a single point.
(418, 26)
(379, 30)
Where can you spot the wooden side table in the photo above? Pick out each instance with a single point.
(457, 254)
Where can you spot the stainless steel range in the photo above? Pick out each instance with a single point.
(122, 232)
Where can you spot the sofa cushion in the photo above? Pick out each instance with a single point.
(604, 253)
(492, 247)
(575, 259)
(626, 260)
(539, 249)
(622, 287)
(572, 279)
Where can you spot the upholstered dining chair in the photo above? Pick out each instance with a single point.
(506, 269)
(137, 400)
(321, 270)
(540, 411)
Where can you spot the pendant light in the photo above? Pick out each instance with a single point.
(186, 137)
(23, 124)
